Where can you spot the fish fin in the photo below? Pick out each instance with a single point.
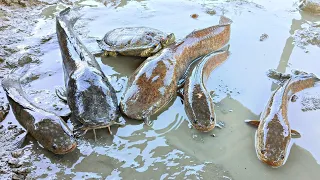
(20, 139)
(180, 93)
(253, 122)
(211, 94)
(20, 71)
(220, 124)
(147, 121)
(61, 92)
(225, 21)
(295, 134)
(181, 83)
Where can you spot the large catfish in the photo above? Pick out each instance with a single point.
(155, 82)
(90, 96)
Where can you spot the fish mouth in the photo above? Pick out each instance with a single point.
(203, 128)
(273, 164)
(72, 147)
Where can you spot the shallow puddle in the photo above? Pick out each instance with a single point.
(170, 148)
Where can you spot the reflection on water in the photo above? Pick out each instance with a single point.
(170, 148)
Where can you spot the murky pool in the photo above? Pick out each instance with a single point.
(170, 148)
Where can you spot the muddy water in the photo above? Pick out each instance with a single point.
(170, 149)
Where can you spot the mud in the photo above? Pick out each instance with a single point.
(15, 162)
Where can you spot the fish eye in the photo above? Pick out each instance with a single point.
(282, 156)
(263, 151)
(195, 121)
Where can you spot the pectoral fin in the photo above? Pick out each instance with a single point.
(180, 93)
(61, 93)
(295, 134)
(253, 122)
(148, 122)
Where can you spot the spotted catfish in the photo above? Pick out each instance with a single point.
(273, 136)
(90, 96)
(198, 103)
(47, 128)
(155, 82)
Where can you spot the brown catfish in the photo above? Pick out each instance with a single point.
(47, 128)
(273, 136)
(154, 83)
(198, 103)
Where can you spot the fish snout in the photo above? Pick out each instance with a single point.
(270, 159)
(132, 111)
(66, 149)
(203, 127)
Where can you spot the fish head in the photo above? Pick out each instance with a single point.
(54, 134)
(151, 87)
(92, 99)
(168, 40)
(200, 109)
(272, 142)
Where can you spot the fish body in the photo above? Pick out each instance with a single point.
(273, 136)
(198, 102)
(90, 96)
(155, 82)
(47, 128)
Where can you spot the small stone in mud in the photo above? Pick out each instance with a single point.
(12, 127)
(1, 126)
(194, 16)
(213, 135)
(24, 170)
(294, 98)
(14, 163)
(17, 153)
(17, 176)
(211, 12)
(263, 37)
(4, 110)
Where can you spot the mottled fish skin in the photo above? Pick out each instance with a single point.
(154, 83)
(47, 128)
(273, 135)
(198, 103)
(90, 96)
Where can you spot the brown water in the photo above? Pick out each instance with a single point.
(170, 149)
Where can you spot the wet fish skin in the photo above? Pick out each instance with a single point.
(47, 128)
(274, 133)
(90, 96)
(198, 102)
(154, 83)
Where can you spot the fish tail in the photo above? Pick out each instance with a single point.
(20, 71)
(15, 75)
(70, 15)
(224, 21)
